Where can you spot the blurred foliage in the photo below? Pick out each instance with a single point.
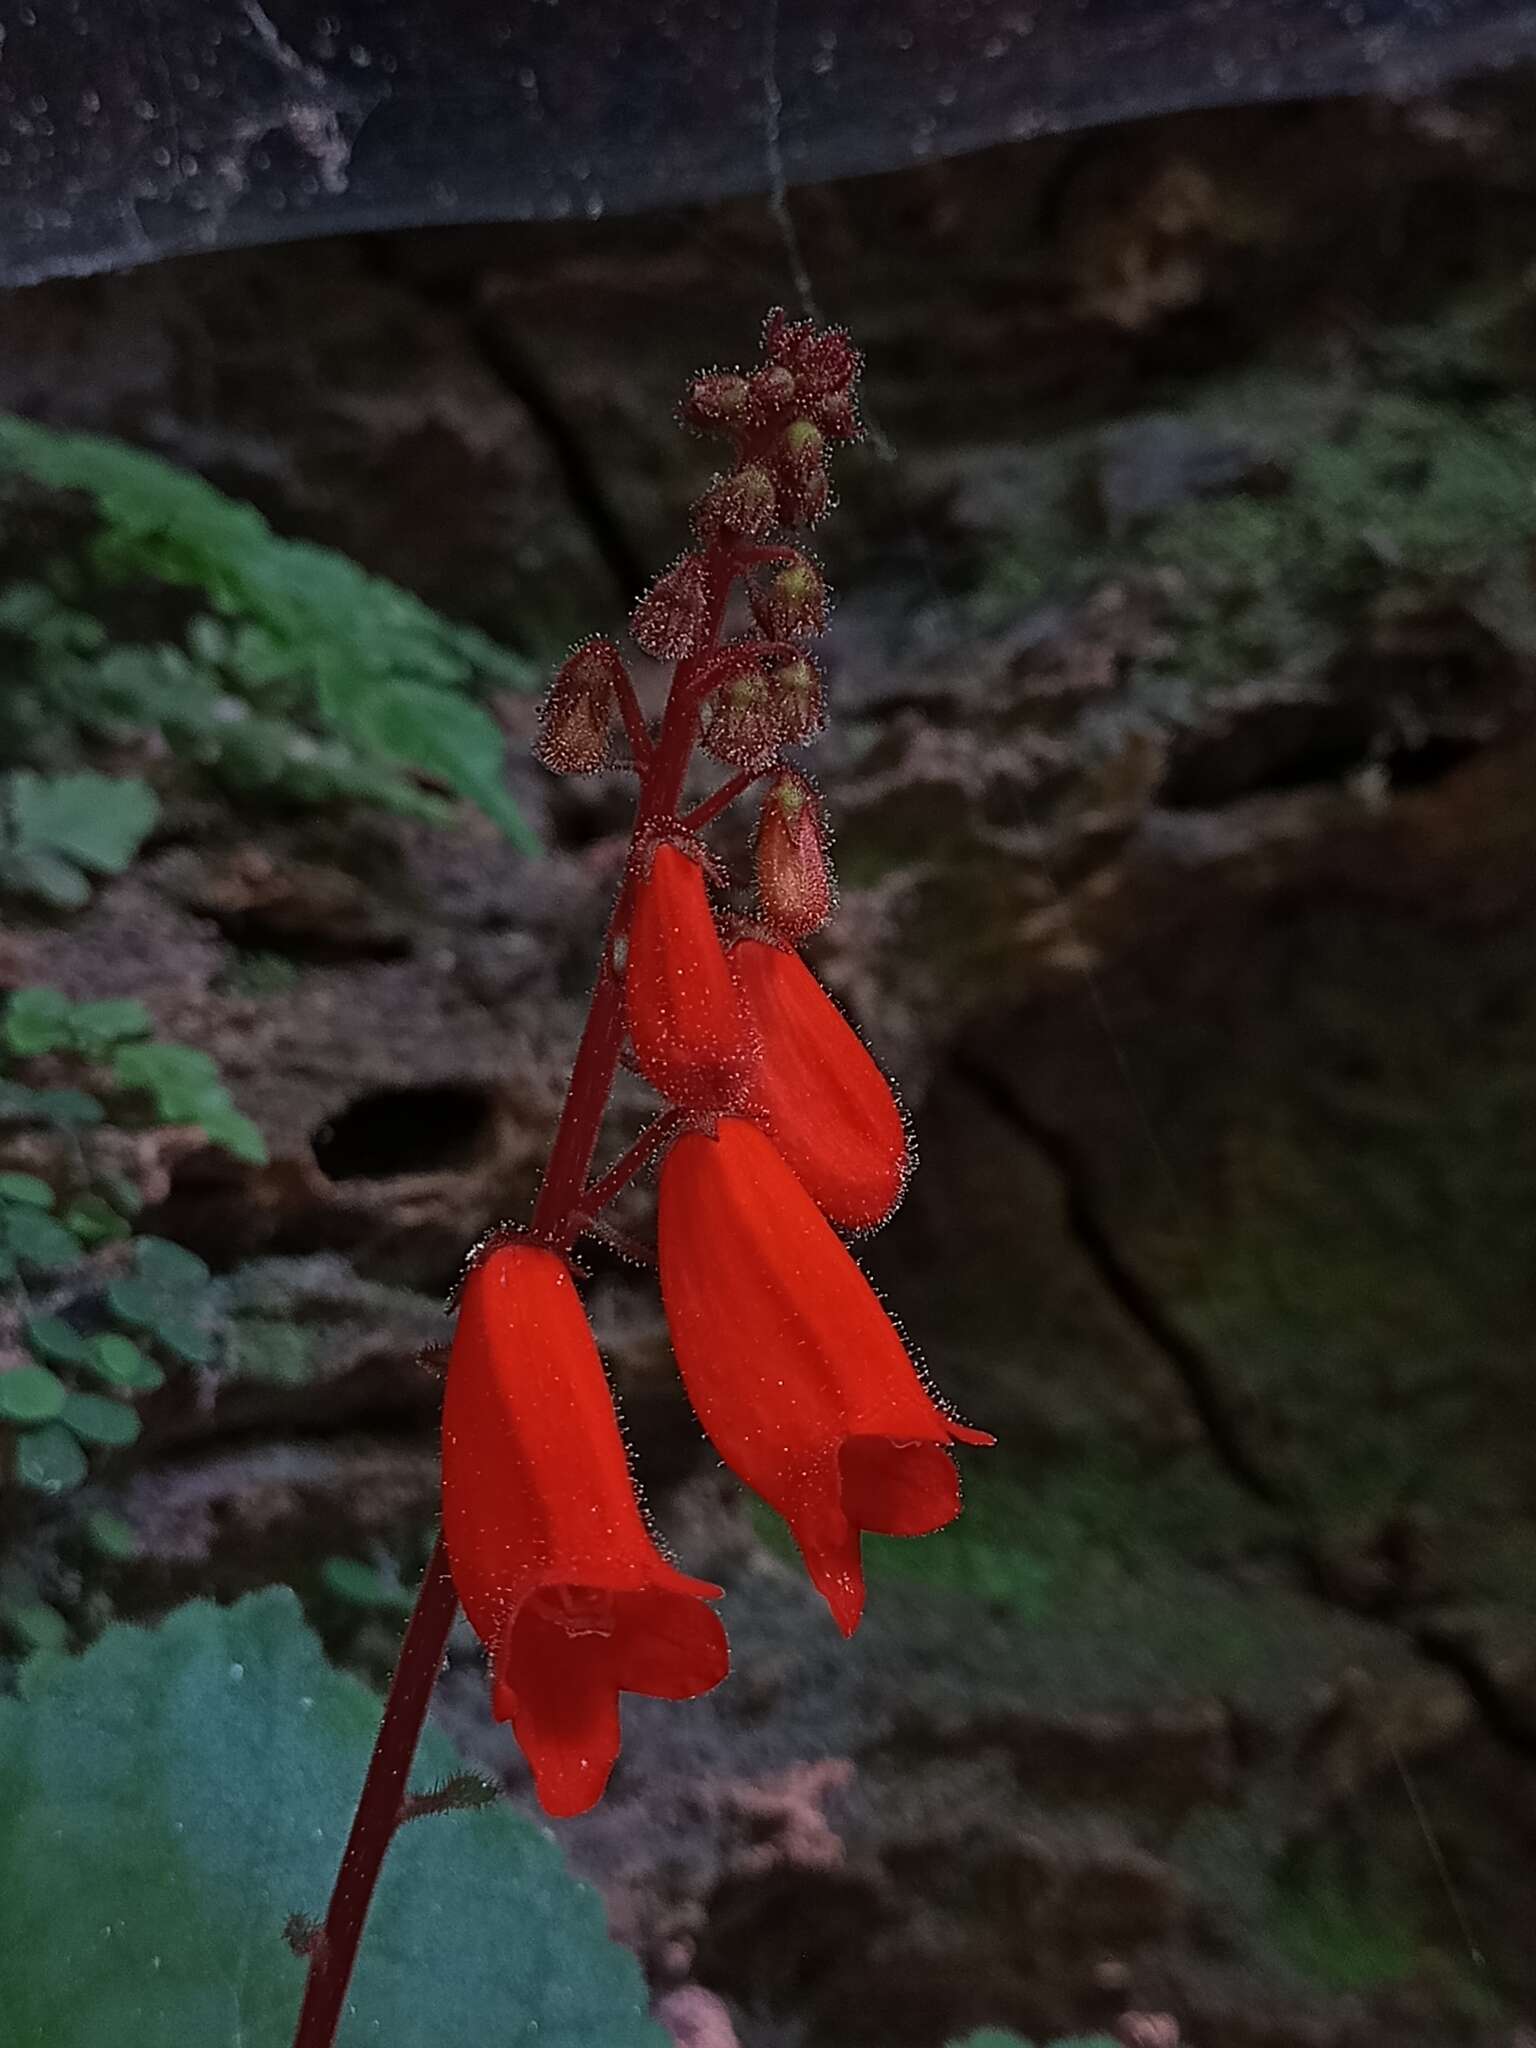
(107, 1311)
(295, 677)
(170, 1799)
(56, 831)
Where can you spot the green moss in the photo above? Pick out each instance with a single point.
(1350, 496)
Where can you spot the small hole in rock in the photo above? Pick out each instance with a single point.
(406, 1130)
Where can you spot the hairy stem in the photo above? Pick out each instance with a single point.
(600, 1193)
(715, 806)
(379, 1806)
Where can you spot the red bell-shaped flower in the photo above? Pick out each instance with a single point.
(692, 1037)
(818, 1094)
(795, 1370)
(551, 1558)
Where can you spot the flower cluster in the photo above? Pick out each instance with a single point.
(779, 1137)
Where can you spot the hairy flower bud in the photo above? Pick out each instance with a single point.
(745, 504)
(769, 392)
(838, 416)
(797, 699)
(692, 1037)
(718, 399)
(794, 886)
(672, 619)
(792, 605)
(742, 723)
(803, 445)
(577, 713)
(818, 1094)
(804, 496)
(820, 360)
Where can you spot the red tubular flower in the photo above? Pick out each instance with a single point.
(818, 1094)
(793, 1367)
(692, 1037)
(551, 1559)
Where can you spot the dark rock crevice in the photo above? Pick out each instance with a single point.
(1197, 1373)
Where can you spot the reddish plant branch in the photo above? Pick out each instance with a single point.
(563, 1208)
(618, 1177)
(380, 1805)
(717, 805)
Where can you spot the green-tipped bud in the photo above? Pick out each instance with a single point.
(792, 605)
(742, 506)
(794, 884)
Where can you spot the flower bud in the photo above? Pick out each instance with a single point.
(688, 1026)
(820, 362)
(803, 496)
(796, 688)
(838, 416)
(794, 886)
(827, 362)
(671, 620)
(716, 400)
(743, 504)
(803, 446)
(793, 604)
(770, 391)
(742, 725)
(574, 722)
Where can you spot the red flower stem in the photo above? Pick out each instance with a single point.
(636, 731)
(713, 806)
(600, 1193)
(381, 1805)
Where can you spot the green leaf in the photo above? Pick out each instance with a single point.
(38, 1020)
(451, 739)
(134, 1304)
(26, 1190)
(120, 1362)
(191, 1342)
(180, 1078)
(38, 1241)
(18, 1103)
(168, 1267)
(53, 1340)
(68, 1109)
(96, 1027)
(48, 876)
(162, 1316)
(120, 1191)
(362, 1585)
(96, 1420)
(265, 1349)
(31, 1393)
(111, 1537)
(97, 821)
(170, 1798)
(35, 1626)
(93, 1220)
(49, 1459)
(236, 1134)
